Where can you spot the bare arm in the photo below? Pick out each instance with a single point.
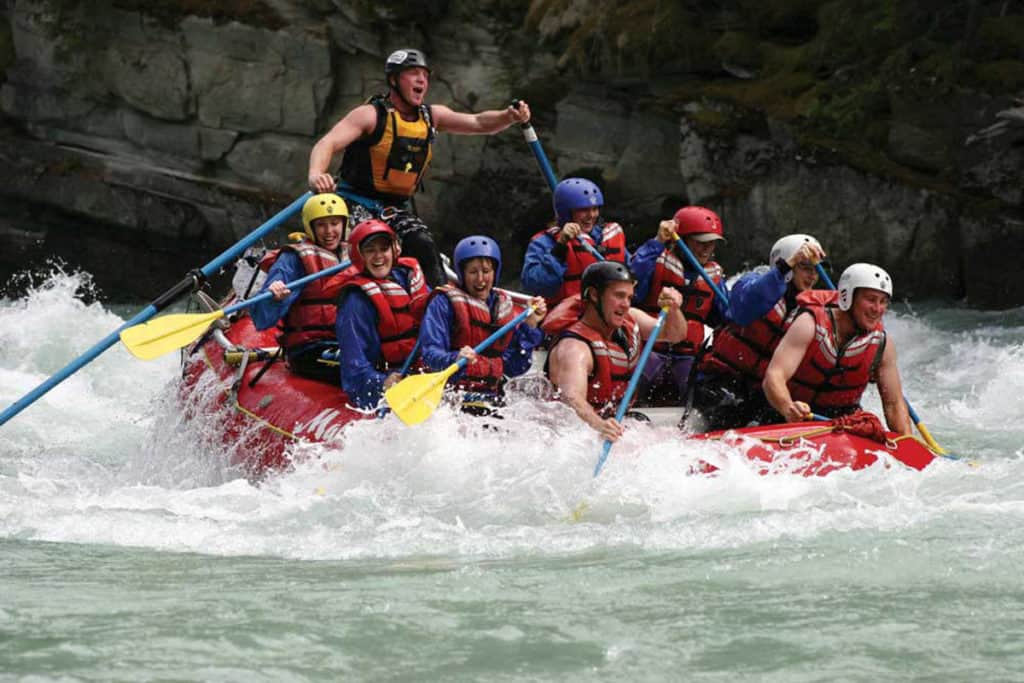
(483, 123)
(357, 123)
(674, 329)
(785, 361)
(570, 364)
(890, 388)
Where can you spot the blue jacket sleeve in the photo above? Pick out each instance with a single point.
(435, 334)
(519, 354)
(287, 268)
(542, 270)
(754, 294)
(642, 265)
(356, 327)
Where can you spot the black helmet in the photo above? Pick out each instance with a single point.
(404, 59)
(602, 273)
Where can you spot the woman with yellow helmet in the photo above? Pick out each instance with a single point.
(306, 315)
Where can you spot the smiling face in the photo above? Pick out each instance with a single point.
(478, 277)
(329, 231)
(378, 256)
(586, 217)
(805, 276)
(412, 84)
(702, 251)
(869, 306)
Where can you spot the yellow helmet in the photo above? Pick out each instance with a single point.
(322, 206)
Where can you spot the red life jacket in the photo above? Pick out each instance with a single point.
(747, 349)
(614, 361)
(399, 312)
(697, 299)
(311, 317)
(832, 379)
(577, 258)
(563, 316)
(474, 322)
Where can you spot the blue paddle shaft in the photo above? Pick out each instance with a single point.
(533, 141)
(291, 285)
(824, 276)
(631, 388)
(485, 344)
(145, 314)
(703, 273)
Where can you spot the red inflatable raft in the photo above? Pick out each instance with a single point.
(261, 407)
(817, 448)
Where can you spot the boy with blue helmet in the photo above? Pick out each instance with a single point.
(556, 257)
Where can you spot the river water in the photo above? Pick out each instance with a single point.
(130, 551)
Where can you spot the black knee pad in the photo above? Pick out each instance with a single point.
(420, 245)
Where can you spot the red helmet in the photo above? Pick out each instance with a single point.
(365, 231)
(702, 224)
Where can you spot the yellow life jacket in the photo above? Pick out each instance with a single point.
(389, 163)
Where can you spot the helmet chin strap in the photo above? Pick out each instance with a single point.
(395, 89)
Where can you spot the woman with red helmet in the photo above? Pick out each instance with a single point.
(383, 296)
(658, 263)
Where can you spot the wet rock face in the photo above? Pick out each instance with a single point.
(168, 135)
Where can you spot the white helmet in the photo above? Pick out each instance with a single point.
(787, 246)
(861, 275)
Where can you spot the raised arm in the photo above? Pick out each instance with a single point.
(674, 329)
(483, 123)
(357, 123)
(782, 367)
(890, 388)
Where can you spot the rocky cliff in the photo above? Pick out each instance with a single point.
(141, 138)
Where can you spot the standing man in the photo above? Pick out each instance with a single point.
(830, 352)
(388, 143)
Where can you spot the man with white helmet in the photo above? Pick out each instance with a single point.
(388, 144)
(727, 388)
(833, 349)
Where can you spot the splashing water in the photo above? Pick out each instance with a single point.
(447, 525)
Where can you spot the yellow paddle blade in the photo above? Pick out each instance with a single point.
(167, 333)
(415, 398)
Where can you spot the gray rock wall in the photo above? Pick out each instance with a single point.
(179, 135)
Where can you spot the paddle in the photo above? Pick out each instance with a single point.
(530, 135)
(170, 332)
(415, 398)
(192, 281)
(921, 427)
(700, 269)
(631, 388)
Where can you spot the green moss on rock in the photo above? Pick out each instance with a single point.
(1005, 75)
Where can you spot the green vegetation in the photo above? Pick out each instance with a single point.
(841, 71)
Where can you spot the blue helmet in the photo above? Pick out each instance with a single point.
(477, 246)
(575, 193)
